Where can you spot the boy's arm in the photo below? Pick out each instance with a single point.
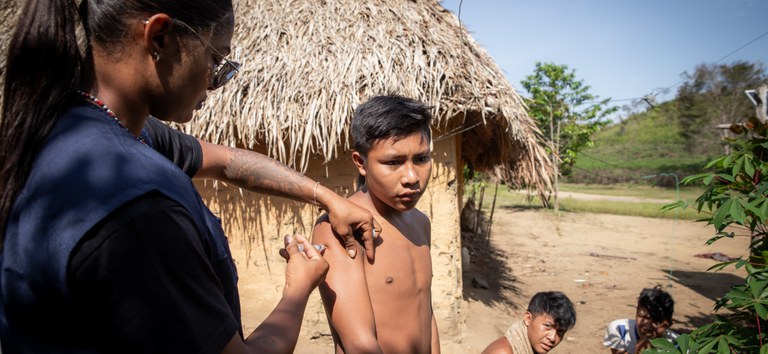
(345, 295)
(435, 336)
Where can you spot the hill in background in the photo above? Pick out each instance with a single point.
(643, 144)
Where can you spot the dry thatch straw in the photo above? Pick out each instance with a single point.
(307, 64)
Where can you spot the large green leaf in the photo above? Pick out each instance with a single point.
(726, 177)
(662, 343)
(707, 348)
(737, 211)
(757, 287)
(749, 167)
(721, 213)
(693, 178)
(678, 204)
(737, 166)
(752, 207)
(761, 310)
(683, 343)
(723, 347)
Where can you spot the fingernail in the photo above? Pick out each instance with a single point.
(288, 239)
(352, 252)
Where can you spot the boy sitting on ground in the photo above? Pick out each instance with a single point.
(550, 314)
(385, 305)
(652, 320)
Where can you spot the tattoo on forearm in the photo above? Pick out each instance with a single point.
(261, 174)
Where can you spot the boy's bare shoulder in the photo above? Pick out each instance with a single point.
(420, 217)
(421, 220)
(322, 230)
(498, 346)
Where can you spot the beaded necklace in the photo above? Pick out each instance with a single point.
(95, 100)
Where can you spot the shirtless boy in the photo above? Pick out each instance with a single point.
(385, 305)
(550, 314)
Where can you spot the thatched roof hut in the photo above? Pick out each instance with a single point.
(308, 64)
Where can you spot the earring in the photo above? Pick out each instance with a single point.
(155, 57)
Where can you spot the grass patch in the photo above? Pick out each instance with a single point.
(513, 199)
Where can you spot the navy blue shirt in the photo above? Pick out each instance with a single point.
(109, 249)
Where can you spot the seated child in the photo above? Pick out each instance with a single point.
(652, 320)
(385, 305)
(550, 314)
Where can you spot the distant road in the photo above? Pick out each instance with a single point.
(615, 198)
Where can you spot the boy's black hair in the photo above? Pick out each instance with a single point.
(555, 304)
(658, 302)
(390, 116)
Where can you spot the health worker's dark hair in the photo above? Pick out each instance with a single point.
(45, 67)
(385, 117)
(658, 302)
(555, 304)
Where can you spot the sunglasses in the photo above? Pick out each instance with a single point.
(224, 71)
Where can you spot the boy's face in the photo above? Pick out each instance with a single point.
(397, 171)
(646, 328)
(543, 332)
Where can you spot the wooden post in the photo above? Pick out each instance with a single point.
(490, 219)
(479, 209)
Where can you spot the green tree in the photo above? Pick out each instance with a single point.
(714, 94)
(567, 114)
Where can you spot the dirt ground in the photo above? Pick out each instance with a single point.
(601, 262)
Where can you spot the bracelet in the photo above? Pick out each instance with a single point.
(314, 195)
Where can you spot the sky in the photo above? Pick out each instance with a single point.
(623, 49)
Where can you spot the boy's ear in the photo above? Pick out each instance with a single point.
(527, 318)
(359, 161)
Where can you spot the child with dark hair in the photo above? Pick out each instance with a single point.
(550, 314)
(652, 320)
(385, 305)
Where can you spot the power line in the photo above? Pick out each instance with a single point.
(742, 47)
(607, 163)
(682, 80)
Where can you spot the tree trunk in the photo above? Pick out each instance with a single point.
(555, 150)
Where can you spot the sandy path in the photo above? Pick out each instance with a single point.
(615, 198)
